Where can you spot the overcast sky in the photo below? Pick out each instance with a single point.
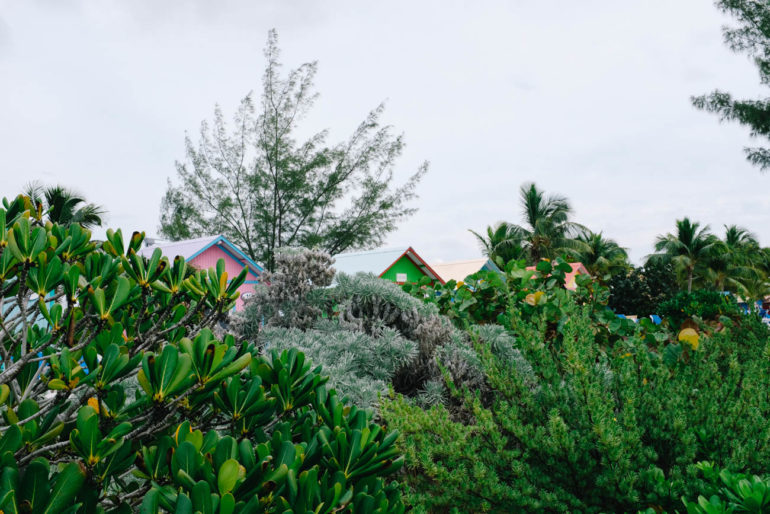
(588, 99)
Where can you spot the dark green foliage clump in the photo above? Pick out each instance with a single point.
(641, 290)
(701, 303)
(590, 428)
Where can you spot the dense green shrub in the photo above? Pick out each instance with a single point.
(572, 425)
(701, 303)
(641, 290)
(106, 358)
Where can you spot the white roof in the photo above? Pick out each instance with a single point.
(458, 270)
(372, 261)
(186, 248)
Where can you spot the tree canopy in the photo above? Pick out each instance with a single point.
(750, 36)
(259, 184)
(547, 231)
(691, 249)
(63, 206)
(601, 256)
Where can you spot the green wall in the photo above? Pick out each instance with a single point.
(404, 265)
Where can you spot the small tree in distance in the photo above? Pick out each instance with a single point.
(264, 189)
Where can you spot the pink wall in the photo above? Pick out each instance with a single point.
(209, 258)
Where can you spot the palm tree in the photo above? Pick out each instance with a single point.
(736, 261)
(65, 207)
(601, 256)
(500, 241)
(547, 230)
(691, 249)
(756, 287)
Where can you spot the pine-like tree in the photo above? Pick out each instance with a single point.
(265, 189)
(750, 36)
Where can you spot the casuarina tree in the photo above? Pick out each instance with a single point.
(263, 187)
(751, 36)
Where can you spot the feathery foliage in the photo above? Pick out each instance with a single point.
(265, 190)
(367, 332)
(750, 36)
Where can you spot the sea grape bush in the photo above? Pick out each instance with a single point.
(489, 297)
(115, 395)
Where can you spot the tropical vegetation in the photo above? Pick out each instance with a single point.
(60, 205)
(547, 231)
(256, 182)
(129, 384)
(751, 35)
(116, 396)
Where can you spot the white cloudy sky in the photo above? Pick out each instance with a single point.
(588, 99)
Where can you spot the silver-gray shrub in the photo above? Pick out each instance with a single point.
(366, 332)
(289, 296)
(369, 334)
(359, 365)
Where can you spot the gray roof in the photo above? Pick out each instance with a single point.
(186, 249)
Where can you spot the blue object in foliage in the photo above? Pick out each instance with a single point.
(655, 319)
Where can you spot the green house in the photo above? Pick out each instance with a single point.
(399, 265)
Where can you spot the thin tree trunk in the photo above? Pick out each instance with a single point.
(689, 280)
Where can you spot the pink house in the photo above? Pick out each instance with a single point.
(204, 252)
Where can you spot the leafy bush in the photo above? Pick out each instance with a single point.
(701, 303)
(488, 296)
(730, 492)
(571, 424)
(491, 297)
(107, 359)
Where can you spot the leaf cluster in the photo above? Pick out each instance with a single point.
(107, 357)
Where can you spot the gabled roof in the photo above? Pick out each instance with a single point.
(458, 270)
(189, 249)
(379, 261)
